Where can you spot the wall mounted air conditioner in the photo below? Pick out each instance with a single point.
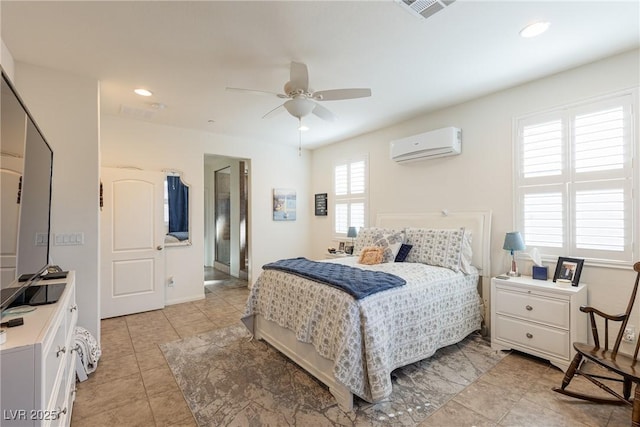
(429, 145)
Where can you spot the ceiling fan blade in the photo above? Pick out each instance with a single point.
(299, 77)
(274, 112)
(323, 113)
(255, 92)
(336, 94)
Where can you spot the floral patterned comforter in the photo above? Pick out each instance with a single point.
(369, 338)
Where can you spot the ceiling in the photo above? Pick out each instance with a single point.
(187, 53)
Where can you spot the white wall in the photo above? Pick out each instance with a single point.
(135, 143)
(6, 59)
(481, 177)
(66, 108)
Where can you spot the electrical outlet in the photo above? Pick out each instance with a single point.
(629, 334)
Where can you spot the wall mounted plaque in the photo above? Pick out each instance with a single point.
(321, 204)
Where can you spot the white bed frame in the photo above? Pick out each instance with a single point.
(306, 356)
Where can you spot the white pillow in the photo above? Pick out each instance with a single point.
(439, 247)
(367, 236)
(466, 260)
(391, 244)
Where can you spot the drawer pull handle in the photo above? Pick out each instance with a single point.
(529, 335)
(61, 350)
(529, 308)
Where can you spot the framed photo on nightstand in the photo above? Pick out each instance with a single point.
(568, 270)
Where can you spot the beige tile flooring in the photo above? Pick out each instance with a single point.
(133, 385)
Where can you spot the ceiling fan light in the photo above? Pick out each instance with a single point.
(299, 107)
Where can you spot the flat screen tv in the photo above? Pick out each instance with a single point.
(26, 166)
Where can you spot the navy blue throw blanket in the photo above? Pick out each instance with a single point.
(357, 282)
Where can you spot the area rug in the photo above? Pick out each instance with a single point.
(229, 379)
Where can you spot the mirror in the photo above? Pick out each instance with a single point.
(26, 161)
(176, 210)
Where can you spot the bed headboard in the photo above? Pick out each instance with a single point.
(479, 223)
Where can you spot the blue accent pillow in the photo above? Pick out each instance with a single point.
(403, 252)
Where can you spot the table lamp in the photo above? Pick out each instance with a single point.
(513, 242)
(353, 233)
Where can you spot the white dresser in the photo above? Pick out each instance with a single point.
(538, 317)
(37, 364)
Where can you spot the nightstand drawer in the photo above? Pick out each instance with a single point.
(552, 312)
(552, 341)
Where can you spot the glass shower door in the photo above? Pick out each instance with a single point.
(223, 215)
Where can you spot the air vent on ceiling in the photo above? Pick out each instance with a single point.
(424, 8)
(137, 113)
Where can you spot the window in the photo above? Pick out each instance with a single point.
(574, 181)
(350, 195)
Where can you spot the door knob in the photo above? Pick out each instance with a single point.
(160, 247)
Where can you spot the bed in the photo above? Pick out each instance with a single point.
(352, 345)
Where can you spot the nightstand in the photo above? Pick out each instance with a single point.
(329, 255)
(538, 317)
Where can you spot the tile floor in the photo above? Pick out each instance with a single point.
(133, 385)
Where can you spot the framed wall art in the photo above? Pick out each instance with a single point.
(321, 204)
(284, 204)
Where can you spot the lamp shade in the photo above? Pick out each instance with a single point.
(513, 242)
(352, 232)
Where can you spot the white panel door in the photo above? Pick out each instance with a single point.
(132, 236)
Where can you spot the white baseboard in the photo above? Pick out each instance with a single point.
(184, 299)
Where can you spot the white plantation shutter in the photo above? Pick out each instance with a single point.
(600, 216)
(600, 140)
(341, 180)
(350, 194)
(542, 149)
(342, 217)
(543, 219)
(574, 181)
(357, 215)
(357, 182)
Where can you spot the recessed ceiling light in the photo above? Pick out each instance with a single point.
(534, 29)
(143, 92)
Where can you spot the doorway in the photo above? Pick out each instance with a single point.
(226, 217)
(222, 214)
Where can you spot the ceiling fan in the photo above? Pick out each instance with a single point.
(302, 101)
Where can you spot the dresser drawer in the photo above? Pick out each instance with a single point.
(53, 358)
(539, 308)
(552, 341)
(59, 408)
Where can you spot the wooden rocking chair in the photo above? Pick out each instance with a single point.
(626, 366)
